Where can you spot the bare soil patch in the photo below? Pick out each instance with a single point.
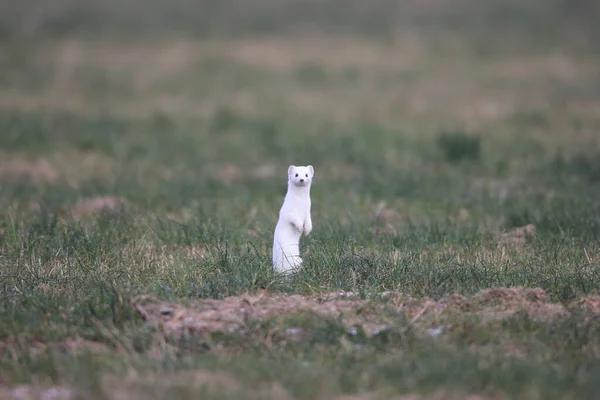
(122, 388)
(137, 386)
(23, 392)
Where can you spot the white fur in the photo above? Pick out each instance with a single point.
(294, 219)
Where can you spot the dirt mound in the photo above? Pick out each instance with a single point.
(373, 316)
(455, 302)
(509, 296)
(535, 302)
(589, 304)
(231, 313)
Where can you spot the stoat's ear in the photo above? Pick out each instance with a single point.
(291, 169)
(311, 169)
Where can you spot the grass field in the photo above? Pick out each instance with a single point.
(143, 156)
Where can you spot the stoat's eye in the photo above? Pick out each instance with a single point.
(296, 175)
(306, 175)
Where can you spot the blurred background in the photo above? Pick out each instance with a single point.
(551, 22)
(196, 107)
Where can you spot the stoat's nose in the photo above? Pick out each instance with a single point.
(301, 180)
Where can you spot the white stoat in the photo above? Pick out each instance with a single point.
(294, 218)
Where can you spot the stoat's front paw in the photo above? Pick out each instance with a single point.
(307, 228)
(297, 224)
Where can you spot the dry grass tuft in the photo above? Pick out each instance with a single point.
(39, 171)
(517, 237)
(94, 205)
(74, 167)
(387, 220)
(77, 345)
(229, 174)
(72, 345)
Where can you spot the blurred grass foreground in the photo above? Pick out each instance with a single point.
(143, 155)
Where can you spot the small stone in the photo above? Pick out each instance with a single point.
(167, 311)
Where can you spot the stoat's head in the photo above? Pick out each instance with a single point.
(300, 176)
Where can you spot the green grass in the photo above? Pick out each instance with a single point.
(431, 146)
